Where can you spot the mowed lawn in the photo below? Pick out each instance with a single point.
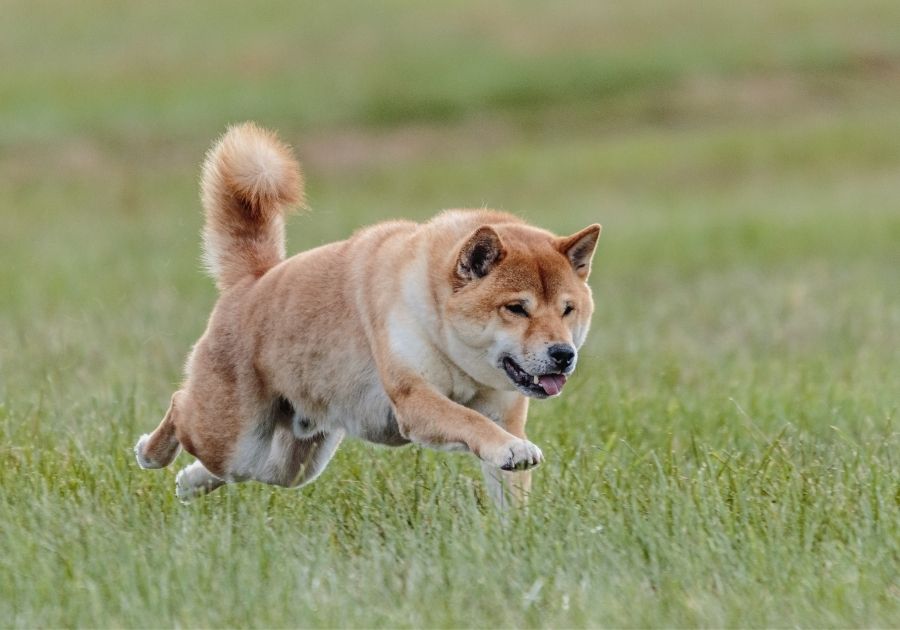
(728, 451)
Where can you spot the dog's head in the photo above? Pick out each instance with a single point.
(521, 306)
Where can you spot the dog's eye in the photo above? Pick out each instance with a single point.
(516, 309)
(569, 309)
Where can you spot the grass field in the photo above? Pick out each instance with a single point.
(727, 454)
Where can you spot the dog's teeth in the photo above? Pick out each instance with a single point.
(536, 379)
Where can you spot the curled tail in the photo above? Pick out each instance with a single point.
(249, 179)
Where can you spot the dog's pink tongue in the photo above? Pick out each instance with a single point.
(552, 383)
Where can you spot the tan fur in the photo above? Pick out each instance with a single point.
(249, 178)
(402, 333)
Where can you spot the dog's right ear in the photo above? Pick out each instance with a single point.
(480, 253)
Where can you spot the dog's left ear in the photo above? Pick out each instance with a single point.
(579, 248)
(480, 253)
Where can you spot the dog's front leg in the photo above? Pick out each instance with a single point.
(510, 488)
(507, 488)
(427, 417)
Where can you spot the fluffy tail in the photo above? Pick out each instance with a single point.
(249, 179)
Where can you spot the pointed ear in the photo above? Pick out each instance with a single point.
(480, 253)
(579, 248)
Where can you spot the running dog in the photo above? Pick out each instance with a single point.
(436, 334)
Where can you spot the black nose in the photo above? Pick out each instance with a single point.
(563, 354)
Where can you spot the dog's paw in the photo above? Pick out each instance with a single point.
(142, 460)
(186, 490)
(517, 454)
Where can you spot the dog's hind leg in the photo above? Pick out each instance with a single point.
(159, 449)
(311, 456)
(270, 451)
(194, 480)
(291, 461)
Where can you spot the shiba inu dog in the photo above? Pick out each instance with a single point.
(436, 334)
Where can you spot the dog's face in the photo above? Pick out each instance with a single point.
(521, 306)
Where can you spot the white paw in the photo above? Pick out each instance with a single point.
(142, 461)
(184, 491)
(193, 481)
(517, 454)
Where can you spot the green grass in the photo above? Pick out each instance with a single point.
(727, 454)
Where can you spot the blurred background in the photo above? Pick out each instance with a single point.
(742, 156)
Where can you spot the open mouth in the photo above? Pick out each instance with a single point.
(538, 385)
